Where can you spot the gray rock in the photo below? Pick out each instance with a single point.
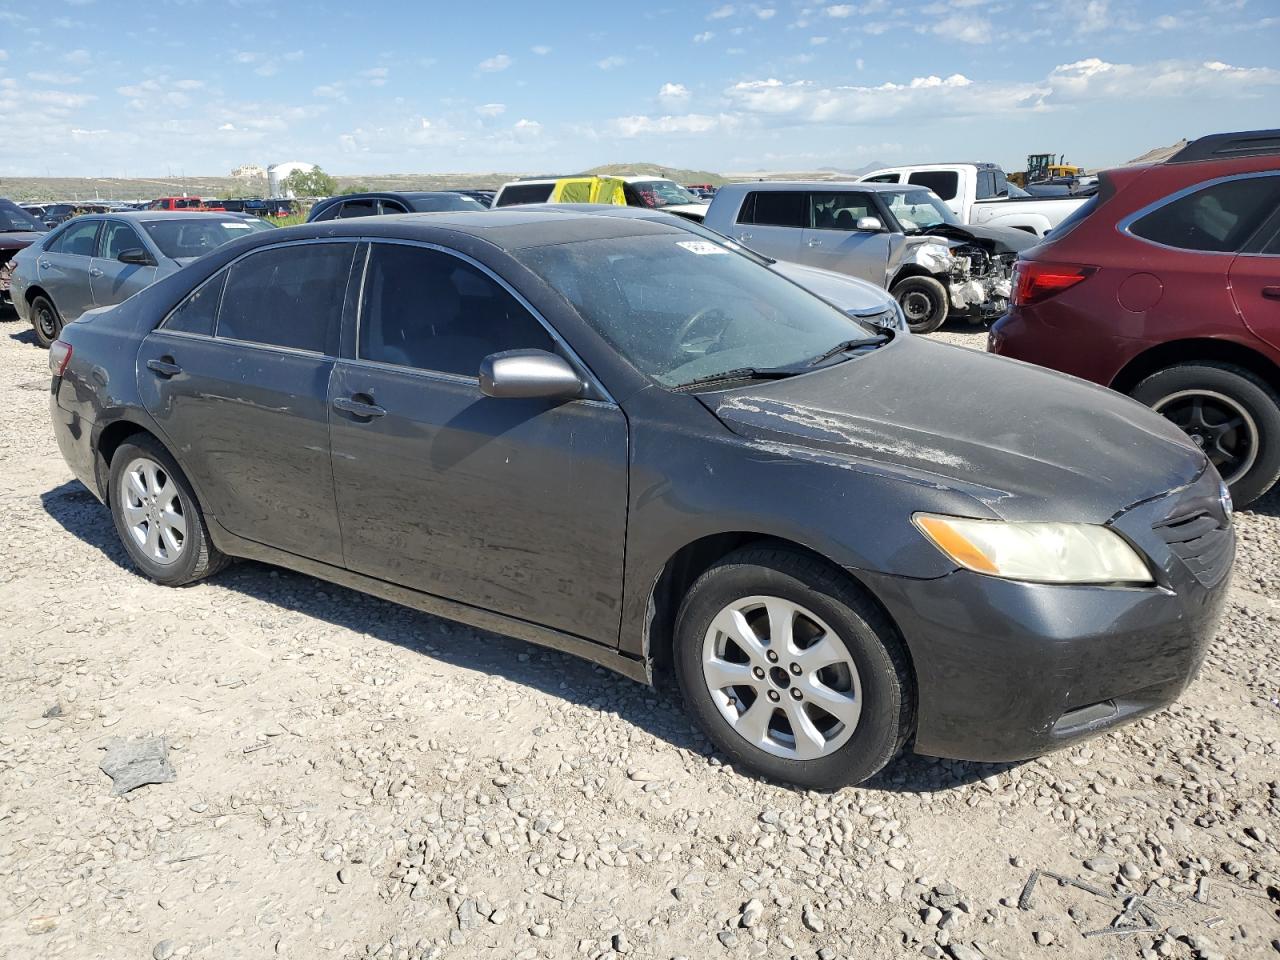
(752, 911)
(163, 950)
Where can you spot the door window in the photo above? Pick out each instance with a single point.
(1218, 218)
(196, 314)
(287, 296)
(433, 311)
(839, 211)
(77, 240)
(117, 237)
(882, 178)
(358, 208)
(986, 186)
(944, 183)
(775, 208)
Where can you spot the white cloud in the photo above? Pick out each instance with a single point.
(720, 13)
(57, 79)
(496, 63)
(541, 49)
(964, 28)
(527, 126)
(1167, 22)
(765, 13)
(1095, 17)
(703, 37)
(841, 10)
(491, 109)
(329, 91)
(673, 93)
(817, 41)
(4, 54)
(689, 123)
(76, 56)
(611, 63)
(377, 76)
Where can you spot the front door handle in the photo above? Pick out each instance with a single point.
(358, 407)
(45, 264)
(744, 237)
(1271, 293)
(814, 243)
(95, 272)
(164, 367)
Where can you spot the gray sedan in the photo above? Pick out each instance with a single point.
(103, 259)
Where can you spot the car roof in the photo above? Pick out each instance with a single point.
(392, 194)
(835, 186)
(980, 164)
(149, 216)
(624, 177)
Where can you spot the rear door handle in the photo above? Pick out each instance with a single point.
(358, 408)
(1271, 293)
(744, 237)
(95, 272)
(164, 368)
(814, 243)
(46, 264)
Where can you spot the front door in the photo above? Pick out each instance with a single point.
(513, 505)
(63, 268)
(112, 281)
(243, 397)
(1255, 286)
(832, 241)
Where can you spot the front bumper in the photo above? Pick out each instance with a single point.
(1008, 670)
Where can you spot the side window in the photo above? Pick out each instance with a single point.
(882, 178)
(1273, 248)
(117, 236)
(986, 187)
(780, 208)
(839, 211)
(78, 239)
(329, 213)
(196, 314)
(1218, 218)
(945, 183)
(1001, 183)
(433, 311)
(393, 206)
(358, 208)
(524, 193)
(287, 297)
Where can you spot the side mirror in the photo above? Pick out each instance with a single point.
(135, 255)
(528, 373)
(871, 224)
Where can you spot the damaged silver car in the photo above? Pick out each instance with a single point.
(900, 237)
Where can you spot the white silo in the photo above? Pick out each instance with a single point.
(278, 173)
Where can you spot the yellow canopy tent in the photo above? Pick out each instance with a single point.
(589, 190)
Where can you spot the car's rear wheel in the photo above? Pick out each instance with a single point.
(46, 320)
(924, 301)
(158, 517)
(1229, 413)
(791, 670)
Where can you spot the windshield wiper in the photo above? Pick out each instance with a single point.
(743, 373)
(847, 345)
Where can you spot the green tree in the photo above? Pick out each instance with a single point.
(313, 183)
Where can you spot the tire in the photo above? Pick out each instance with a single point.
(924, 301)
(880, 681)
(1228, 394)
(167, 559)
(46, 320)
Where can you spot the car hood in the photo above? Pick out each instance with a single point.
(994, 239)
(847, 293)
(1028, 443)
(17, 239)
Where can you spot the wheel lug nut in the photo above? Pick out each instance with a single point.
(758, 672)
(796, 694)
(795, 669)
(773, 657)
(773, 695)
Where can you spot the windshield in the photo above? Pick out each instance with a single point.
(918, 210)
(178, 239)
(14, 218)
(661, 193)
(448, 201)
(680, 308)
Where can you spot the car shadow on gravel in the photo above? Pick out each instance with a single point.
(1267, 506)
(24, 334)
(659, 712)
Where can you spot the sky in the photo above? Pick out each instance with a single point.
(197, 87)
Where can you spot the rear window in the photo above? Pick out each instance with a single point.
(944, 183)
(524, 193)
(1218, 218)
(775, 208)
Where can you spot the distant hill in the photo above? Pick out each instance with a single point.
(678, 174)
(1158, 154)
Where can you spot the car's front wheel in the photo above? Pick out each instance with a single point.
(1229, 413)
(46, 320)
(924, 301)
(791, 670)
(158, 517)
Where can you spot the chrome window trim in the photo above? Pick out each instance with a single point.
(1125, 225)
(577, 361)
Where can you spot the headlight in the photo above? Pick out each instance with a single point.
(1039, 552)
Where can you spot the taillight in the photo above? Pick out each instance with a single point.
(1034, 281)
(59, 357)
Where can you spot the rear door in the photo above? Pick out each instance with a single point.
(771, 222)
(832, 241)
(513, 505)
(237, 377)
(110, 280)
(63, 268)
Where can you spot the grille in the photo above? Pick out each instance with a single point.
(1199, 534)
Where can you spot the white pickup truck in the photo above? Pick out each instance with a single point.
(980, 194)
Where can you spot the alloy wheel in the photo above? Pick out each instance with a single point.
(1219, 425)
(152, 509)
(781, 678)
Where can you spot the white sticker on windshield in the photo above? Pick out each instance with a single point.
(235, 226)
(702, 247)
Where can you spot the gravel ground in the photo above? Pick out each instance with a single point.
(353, 779)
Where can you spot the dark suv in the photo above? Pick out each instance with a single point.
(378, 204)
(1166, 286)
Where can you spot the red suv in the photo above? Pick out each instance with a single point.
(1166, 286)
